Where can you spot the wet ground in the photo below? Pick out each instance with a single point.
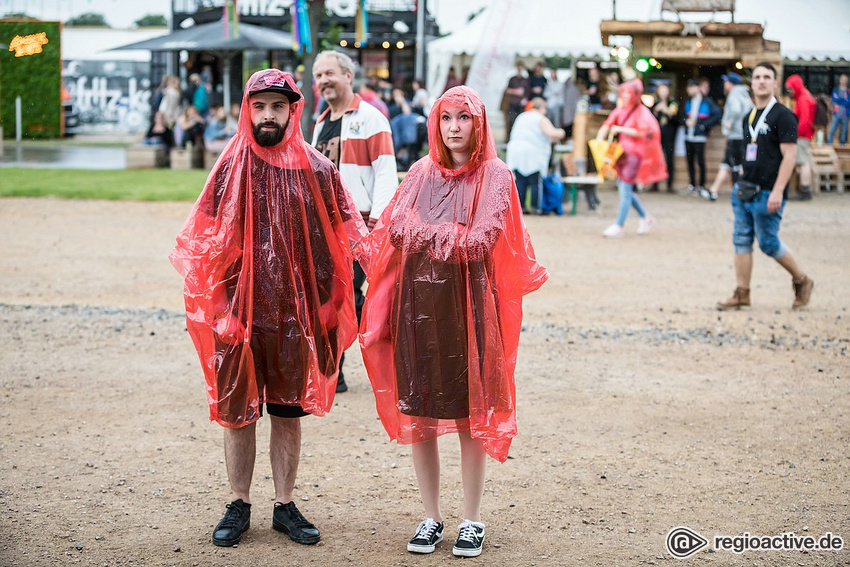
(37, 155)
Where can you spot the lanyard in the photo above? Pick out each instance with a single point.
(760, 123)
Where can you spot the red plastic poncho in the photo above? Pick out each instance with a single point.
(645, 149)
(267, 267)
(450, 262)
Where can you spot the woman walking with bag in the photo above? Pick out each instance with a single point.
(642, 161)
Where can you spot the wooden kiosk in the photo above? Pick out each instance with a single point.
(677, 51)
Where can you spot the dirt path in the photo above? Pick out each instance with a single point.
(640, 407)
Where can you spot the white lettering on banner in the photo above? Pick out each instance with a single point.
(264, 7)
(126, 107)
(493, 60)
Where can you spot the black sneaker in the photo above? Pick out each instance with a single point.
(428, 535)
(235, 522)
(470, 539)
(288, 519)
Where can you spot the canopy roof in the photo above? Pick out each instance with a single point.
(211, 37)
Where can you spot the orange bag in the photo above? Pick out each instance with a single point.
(605, 154)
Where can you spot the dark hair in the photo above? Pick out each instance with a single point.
(768, 66)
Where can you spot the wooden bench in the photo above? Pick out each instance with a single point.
(182, 158)
(210, 157)
(143, 156)
(574, 183)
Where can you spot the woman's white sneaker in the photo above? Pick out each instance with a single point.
(470, 539)
(428, 535)
(645, 224)
(614, 231)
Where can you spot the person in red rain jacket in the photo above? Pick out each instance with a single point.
(804, 108)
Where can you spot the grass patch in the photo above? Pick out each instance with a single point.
(112, 185)
(78, 142)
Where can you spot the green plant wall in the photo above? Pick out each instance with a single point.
(36, 78)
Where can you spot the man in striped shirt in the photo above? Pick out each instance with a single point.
(357, 138)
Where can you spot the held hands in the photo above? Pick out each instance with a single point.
(229, 328)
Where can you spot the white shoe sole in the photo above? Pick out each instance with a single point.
(462, 552)
(413, 548)
(647, 226)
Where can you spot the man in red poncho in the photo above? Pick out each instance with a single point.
(804, 108)
(265, 254)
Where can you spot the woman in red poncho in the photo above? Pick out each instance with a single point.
(267, 267)
(450, 260)
(642, 161)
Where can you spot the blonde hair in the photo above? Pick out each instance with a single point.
(345, 62)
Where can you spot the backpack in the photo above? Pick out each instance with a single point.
(553, 194)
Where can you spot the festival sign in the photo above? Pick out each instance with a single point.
(667, 47)
(28, 44)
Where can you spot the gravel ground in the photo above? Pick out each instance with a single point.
(640, 407)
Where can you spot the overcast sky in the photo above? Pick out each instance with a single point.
(450, 14)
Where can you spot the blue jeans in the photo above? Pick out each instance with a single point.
(628, 199)
(523, 184)
(840, 118)
(753, 220)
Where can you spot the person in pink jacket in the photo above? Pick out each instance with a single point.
(642, 161)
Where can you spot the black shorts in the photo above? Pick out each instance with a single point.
(733, 159)
(282, 410)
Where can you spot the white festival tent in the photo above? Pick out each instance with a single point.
(814, 31)
(542, 28)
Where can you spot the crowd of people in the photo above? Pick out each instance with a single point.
(188, 119)
(685, 124)
(285, 234)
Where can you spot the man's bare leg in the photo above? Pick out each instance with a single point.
(285, 454)
(240, 452)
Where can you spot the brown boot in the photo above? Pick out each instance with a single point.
(741, 298)
(802, 291)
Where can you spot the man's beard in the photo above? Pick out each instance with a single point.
(265, 138)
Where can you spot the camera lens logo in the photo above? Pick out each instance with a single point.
(683, 542)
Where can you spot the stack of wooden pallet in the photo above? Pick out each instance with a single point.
(843, 153)
(827, 174)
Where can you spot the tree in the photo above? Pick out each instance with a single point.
(152, 21)
(17, 15)
(90, 19)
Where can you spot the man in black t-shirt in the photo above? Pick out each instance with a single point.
(770, 138)
(328, 141)
(516, 95)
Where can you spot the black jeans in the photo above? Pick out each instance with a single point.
(668, 146)
(696, 150)
(359, 298)
(523, 184)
